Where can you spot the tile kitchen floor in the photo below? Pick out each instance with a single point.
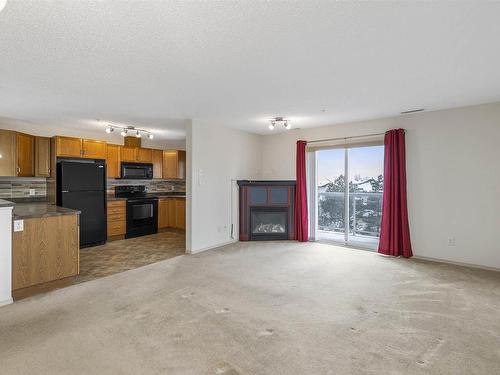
(123, 255)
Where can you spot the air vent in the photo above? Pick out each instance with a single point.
(412, 111)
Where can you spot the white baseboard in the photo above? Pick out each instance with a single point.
(438, 260)
(212, 247)
(6, 302)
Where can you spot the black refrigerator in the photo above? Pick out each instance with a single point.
(81, 185)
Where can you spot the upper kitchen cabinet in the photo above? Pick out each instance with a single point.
(129, 154)
(42, 156)
(174, 164)
(113, 161)
(92, 149)
(7, 153)
(68, 147)
(80, 148)
(157, 163)
(25, 150)
(144, 155)
(137, 154)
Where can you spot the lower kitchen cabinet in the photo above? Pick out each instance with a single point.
(117, 218)
(46, 250)
(172, 213)
(180, 211)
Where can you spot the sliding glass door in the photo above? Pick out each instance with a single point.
(349, 188)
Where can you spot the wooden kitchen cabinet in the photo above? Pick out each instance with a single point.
(174, 164)
(117, 218)
(46, 250)
(180, 213)
(8, 153)
(172, 213)
(25, 150)
(92, 149)
(113, 161)
(42, 156)
(163, 205)
(129, 154)
(68, 147)
(144, 155)
(137, 154)
(157, 163)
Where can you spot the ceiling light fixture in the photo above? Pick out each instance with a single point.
(280, 120)
(2, 4)
(124, 130)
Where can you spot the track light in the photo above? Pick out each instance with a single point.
(124, 130)
(280, 120)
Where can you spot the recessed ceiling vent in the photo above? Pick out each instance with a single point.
(412, 111)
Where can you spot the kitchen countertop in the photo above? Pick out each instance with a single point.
(111, 197)
(4, 203)
(40, 210)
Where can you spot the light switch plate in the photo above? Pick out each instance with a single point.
(18, 225)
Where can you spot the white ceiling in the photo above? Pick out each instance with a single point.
(154, 63)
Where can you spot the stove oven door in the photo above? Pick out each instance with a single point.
(142, 217)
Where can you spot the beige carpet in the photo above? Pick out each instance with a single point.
(263, 308)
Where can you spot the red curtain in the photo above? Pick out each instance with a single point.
(395, 230)
(301, 218)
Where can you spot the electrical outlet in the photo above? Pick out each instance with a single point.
(32, 191)
(451, 241)
(18, 225)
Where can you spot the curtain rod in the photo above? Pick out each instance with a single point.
(345, 138)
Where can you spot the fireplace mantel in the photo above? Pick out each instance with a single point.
(274, 197)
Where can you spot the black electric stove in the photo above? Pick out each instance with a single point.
(142, 210)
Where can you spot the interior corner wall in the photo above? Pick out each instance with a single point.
(453, 174)
(217, 157)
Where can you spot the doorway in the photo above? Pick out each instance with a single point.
(347, 195)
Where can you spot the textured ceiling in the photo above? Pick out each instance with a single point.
(154, 63)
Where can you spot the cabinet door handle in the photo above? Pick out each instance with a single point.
(18, 169)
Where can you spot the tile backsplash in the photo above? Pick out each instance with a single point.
(153, 186)
(19, 187)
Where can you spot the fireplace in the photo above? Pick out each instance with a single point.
(266, 210)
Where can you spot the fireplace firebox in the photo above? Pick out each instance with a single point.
(266, 210)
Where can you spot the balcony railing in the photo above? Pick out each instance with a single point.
(365, 212)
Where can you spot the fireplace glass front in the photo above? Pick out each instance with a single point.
(269, 224)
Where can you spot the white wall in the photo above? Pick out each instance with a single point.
(453, 167)
(5, 255)
(216, 156)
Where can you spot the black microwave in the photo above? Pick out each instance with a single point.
(136, 171)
